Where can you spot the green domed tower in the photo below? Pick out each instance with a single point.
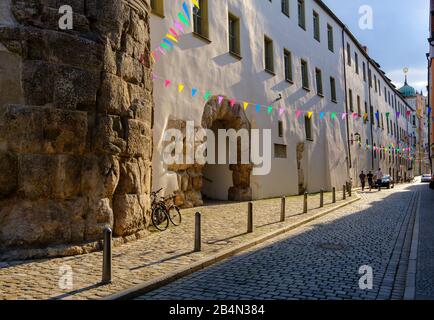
(407, 91)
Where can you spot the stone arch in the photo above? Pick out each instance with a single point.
(190, 177)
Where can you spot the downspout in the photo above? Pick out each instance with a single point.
(349, 160)
(429, 115)
(368, 64)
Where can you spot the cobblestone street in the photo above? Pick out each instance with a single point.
(320, 260)
(224, 226)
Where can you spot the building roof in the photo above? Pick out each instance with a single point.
(407, 91)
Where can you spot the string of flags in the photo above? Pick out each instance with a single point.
(180, 25)
(195, 92)
(180, 87)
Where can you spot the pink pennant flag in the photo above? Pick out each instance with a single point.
(355, 115)
(281, 111)
(298, 113)
(220, 100)
(232, 102)
(167, 83)
(344, 115)
(178, 26)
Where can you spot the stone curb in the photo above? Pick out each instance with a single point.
(410, 283)
(159, 282)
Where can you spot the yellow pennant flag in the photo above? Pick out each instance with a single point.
(181, 88)
(310, 115)
(196, 3)
(171, 37)
(246, 105)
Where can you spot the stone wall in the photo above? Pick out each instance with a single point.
(75, 122)
(190, 177)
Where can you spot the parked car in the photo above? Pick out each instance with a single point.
(426, 178)
(387, 182)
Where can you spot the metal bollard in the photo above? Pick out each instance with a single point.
(344, 193)
(197, 233)
(250, 218)
(321, 198)
(334, 195)
(107, 257)
(283, 209)
(305, 203)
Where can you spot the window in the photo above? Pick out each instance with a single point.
(234, 35)
(304, 75)
(269, 58)
(372, 115)
(301, 15)
(157, 7)
(308, 128)
(330, 38)
(359, 107)
(316, 27)
(333, 89)
(356, 60)
(280, 151)
(318, 76)
(200, 19)
(366, 119)
(370, 77)
(385, 94)
(364, 72)
(375, 82)
(280, 128)
(285, 7)
(350, 97)
(287, 60)
(348, 54)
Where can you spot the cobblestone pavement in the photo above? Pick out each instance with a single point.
(224, 226)
(425, 255)
(320, 260)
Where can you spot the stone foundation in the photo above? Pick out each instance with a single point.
(75, 122)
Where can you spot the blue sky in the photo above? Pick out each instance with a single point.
(398, 37)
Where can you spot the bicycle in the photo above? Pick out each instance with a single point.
(163, 212)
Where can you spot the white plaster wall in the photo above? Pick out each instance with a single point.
(209, 66)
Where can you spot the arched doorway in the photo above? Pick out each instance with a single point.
(216, 181)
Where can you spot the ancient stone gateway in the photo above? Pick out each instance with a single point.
(75, 125)
(192, 179)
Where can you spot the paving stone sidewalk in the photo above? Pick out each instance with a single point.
(223, 226)
(320, 260)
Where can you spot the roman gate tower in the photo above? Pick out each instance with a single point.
(75, 124)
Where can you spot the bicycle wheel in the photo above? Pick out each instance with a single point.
(175, 215)
(160, 219)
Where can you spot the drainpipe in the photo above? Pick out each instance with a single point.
(429, 115)
(349, 160)
(368, 65)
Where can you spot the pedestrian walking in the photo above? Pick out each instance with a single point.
(370, 180)
(362, 177)
(379, 178)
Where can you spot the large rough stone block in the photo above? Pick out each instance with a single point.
(114, 98)
(46, 176)
(8, 174)
(130, 214)
(99, 176)
(62, 86)
(99, 216)
(42, 130)
(42, 222)
(139, 139)
(109, 136)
